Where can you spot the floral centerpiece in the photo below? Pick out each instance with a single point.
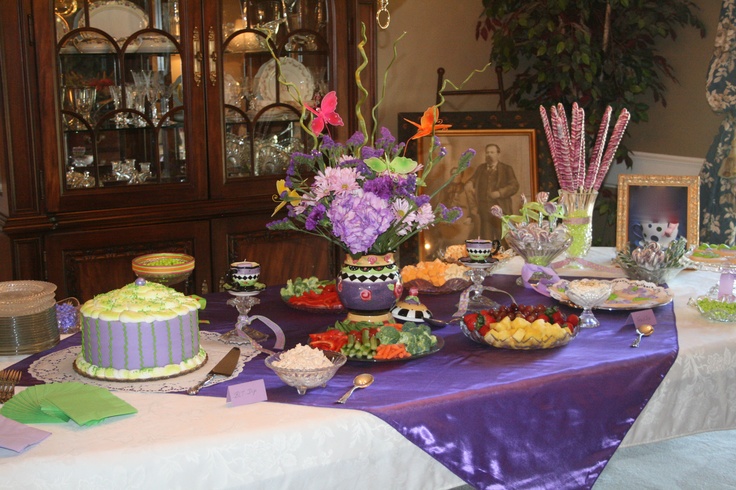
(365, 196)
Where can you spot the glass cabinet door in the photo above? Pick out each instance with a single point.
(261, 117)
(122, 93)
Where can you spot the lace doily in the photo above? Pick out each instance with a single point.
(57, 368)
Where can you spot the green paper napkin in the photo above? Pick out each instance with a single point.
(91, 407)
(58, 402)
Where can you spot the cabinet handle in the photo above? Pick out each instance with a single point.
(213, 56)
(197, 57)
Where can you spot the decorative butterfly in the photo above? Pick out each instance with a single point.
(399, 165)
(430, 122)
(292, 196)
(325, 113)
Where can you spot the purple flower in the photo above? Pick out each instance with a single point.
(358, 219)
(407, 186)
(380, 186)
(368, 152)
(386, 140)
(328, 143)
(357, 139)
(449, 215)
(421, 200)
(315, 216)
(279, 224)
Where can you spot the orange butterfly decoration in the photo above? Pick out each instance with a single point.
(430, 121)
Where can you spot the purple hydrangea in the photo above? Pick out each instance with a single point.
(358, 219)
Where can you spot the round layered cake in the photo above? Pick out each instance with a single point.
(143, 331)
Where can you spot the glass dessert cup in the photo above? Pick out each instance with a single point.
(587, 294)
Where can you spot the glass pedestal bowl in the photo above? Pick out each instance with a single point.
(164, 268)
(538, 246)
(304, 379)
(587, 294)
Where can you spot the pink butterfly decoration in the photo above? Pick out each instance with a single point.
(325, 113)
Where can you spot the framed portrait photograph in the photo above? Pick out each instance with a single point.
(504, 168)
(657, 208)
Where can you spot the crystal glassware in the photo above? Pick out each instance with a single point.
(84, 100)
(588, 294)
(579, 221)
(304, 379)
(538, 246)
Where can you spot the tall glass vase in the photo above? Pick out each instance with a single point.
(368, 287)
(579, 222)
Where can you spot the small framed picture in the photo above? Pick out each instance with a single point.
(657, 208)
(504, 168)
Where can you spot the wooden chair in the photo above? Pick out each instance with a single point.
(490, 91)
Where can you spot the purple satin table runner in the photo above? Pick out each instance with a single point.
(496, 418)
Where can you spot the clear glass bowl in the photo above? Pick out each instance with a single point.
(657, 276)
(304, 379)
(528, 343)
(539, 251)
(714, 309)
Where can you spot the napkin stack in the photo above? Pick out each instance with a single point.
(56, 403)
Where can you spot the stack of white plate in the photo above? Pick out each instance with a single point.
(27, 317)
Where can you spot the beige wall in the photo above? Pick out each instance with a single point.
(442, 33)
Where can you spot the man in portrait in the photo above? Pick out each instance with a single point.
(495, 183)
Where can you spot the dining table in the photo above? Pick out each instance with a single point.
(467, 413)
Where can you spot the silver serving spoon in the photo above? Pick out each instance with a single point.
(643, 331)
(361, 381)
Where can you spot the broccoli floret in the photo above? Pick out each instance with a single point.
(409, 340)
(423, 344)
(417, 329)
(388, 335)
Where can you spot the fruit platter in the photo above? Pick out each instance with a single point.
(521, 327)
(312, 294)
(364, 341)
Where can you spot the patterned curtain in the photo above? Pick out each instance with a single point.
(718, 175)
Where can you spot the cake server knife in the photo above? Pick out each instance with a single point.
(223, 368)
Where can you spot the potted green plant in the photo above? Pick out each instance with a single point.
(593, 52)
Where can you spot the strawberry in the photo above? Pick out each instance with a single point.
(471, 319)
(544, 317)
(484, 330)
(558, 318)
(568, 325)
(487, 317)
(574, 319)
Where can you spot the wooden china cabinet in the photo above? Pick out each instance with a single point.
(135, 126)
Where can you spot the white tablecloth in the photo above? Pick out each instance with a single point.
(177, 441)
